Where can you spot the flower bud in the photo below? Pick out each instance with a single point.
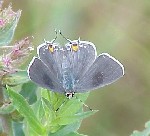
(10, 61)
(8, 22)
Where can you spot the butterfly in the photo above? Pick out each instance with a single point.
(73, 68)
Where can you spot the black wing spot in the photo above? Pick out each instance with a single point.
(47, 80)
(97, 79)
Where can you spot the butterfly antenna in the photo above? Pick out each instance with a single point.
(65, 37)
(84, 103)
(55, 37)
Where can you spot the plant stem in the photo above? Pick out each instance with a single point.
(1, 93)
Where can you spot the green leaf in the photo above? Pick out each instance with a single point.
(63, 111)
(48, 104)
(50, 115)
(66, 129)
(64, 120)
(145, 132)
(28, 91)
(59, 101)
(49, 111)
(24, 108)
(39, 109)
(6, 108)
(72, 106)
(7, 33)
(19, 77)
(56, 99)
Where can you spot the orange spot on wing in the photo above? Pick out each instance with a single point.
(51, 48)
(75, 47)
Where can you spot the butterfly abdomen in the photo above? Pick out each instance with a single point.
(67, 75)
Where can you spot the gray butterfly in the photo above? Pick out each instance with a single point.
(74, 68)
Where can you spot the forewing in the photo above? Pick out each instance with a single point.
(43, 76)
(53, 59)
(81, 59)
(105, 70)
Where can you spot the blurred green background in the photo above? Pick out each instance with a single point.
(118, 27)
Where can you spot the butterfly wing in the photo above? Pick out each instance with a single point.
(43, 76)
(53, 59)
(56, 59)
(105, 70)
(82, 58)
